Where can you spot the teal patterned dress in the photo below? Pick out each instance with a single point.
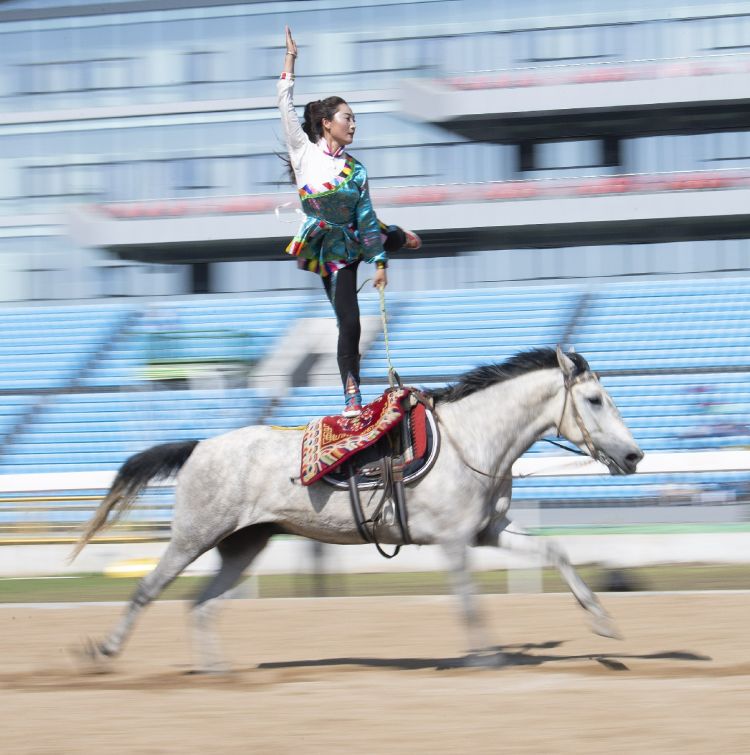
(340, 226)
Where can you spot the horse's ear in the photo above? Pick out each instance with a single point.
(566, 363)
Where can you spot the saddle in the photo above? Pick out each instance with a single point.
(394, 441)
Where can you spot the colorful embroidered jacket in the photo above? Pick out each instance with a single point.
(340, 225)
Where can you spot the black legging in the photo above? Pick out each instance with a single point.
(341, 289)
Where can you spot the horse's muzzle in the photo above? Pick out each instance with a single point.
(625, 465)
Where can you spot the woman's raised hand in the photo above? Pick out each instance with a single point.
(291, 53)
(291, 45)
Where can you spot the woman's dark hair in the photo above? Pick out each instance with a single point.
(312, 122)
(315, 112)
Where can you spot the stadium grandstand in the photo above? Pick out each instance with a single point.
(579, 173)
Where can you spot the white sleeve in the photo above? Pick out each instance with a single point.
(296, 139)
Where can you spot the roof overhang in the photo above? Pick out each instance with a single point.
(629, 99)
(451, 219)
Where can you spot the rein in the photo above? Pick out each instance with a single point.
(393, 378)
(571, 449)
(459, 451)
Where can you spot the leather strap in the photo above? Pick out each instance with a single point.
(359, 519)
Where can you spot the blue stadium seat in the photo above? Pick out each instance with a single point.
(630, 328)
(98, 431)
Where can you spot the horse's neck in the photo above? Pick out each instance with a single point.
(496, 425)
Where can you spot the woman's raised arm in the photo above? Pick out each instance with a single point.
(295, 137)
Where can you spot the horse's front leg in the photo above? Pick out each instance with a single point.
(457, 557)
(503, 533)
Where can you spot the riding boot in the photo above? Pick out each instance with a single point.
(352, 397)
(349, 368)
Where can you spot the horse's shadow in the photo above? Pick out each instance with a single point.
(499, 656)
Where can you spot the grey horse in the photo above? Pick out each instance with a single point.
(234, 491)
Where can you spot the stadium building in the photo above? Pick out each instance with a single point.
(536, 140)
(579, 172)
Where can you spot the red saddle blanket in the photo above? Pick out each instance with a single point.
(330, 441)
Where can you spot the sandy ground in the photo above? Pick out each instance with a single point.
(382, 675)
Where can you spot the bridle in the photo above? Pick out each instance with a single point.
(595, 453)
(568, 382)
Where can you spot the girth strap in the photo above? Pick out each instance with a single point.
(359, 518)
(399, 494)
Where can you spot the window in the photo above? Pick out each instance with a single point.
(109, 74)
(578, 43)
(194, 173)
(568, 154)
(265, 62)
(390, 55)
(114, 280)
(84, 180)
(201, 67)
(266, 172)
(397, 165)
(729, 149)
(31, 79)
(45, 283)
(559, 157)
(74, 76)
(63, 180)
(729, 33)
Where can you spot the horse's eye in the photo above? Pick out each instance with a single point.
(595, 400)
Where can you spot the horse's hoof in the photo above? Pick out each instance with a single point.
(91, 657)
(605, 627)
(485, 660)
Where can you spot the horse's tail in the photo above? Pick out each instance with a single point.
(157, 462)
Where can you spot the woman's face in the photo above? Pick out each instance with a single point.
(342, 126)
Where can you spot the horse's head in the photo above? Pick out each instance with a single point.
(591, 420)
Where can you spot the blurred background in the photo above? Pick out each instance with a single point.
(579, 172)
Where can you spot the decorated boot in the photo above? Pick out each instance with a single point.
(352, 398)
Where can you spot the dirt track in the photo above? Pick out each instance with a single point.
(376, 675)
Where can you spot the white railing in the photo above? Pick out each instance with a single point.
(536, 466)
(24, 555)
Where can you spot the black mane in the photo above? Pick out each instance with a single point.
(489, 374)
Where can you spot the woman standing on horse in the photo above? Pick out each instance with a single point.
(340, 228)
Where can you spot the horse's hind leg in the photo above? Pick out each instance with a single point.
(237, 552)
(174, 560)
(503, 533)
(457, 557)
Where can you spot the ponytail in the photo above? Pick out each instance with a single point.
(312, 120)
(317, 111)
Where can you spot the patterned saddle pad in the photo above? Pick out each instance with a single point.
(418, 442)
(329, 441)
